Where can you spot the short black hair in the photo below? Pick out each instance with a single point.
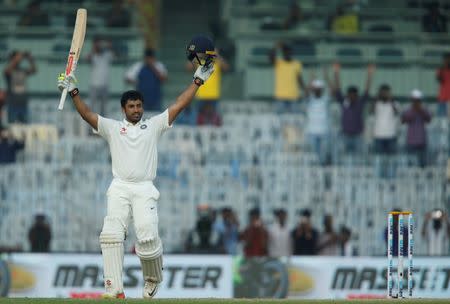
(130, 95)
(385, 87)
(352, 89)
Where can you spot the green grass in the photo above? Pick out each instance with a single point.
(217, 301)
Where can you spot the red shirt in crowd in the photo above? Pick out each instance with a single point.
(444, 89)
(255, 239)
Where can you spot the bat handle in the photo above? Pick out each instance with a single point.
(62, 100)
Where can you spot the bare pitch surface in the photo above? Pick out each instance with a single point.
(216, 301)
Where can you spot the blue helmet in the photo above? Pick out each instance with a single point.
(202, 49)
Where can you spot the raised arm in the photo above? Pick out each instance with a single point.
(370, 71)
(184, 99)
(85, 112)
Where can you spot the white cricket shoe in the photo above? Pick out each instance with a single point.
(150, 288)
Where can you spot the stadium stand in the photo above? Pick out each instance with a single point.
(64, 170)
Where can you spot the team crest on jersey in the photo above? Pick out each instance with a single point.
(143, 127)
(123, 131)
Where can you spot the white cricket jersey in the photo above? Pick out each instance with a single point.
(133, 147)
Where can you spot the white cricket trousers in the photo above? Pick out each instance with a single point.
(137, 201)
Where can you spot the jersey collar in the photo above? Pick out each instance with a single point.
(129, 124)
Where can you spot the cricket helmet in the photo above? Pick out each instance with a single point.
(201, 48)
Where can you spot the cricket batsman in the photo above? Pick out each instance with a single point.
(133, 147)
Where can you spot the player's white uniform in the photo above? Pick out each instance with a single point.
(132, 193)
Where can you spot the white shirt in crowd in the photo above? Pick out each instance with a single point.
(100, 63)
(317, 115)
(133, 71)
(134, 147)
(279, 243)
(437, 240)
(385, 125)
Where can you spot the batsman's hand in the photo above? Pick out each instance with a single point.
(204, 72)
(67, 82)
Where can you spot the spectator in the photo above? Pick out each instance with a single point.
(343, 21)
(434, 21)
(318, 120)
(352, 109)
(288, 78)
(416, 117)
(40, 234)
(9, 147)
(436, 232)
(443, 77)
(118, 16)
(148, 76)
(304, 235)
(279, 243)
(16, 72)
(100, 58)
(329, 241)
(188, 117)
(395, 235)
(208, 116)
(34, 16)
(255, 236)
(346, 244)
(202, 239)
(209, 94)
(293, 18)
(2, 104)
(227, 231)
(385, 125)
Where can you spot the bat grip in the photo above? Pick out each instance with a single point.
(62, 100)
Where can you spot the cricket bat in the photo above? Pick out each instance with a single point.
(75, 49)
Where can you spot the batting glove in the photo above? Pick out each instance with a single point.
(204, 72)
(67, 82)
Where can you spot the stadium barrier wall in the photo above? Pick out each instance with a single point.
(200, 276)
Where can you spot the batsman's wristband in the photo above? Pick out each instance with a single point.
(198, 81)
(74, 92)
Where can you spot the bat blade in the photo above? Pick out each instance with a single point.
(79, 32)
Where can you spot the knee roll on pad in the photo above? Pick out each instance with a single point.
(149, 249)
(113, 230)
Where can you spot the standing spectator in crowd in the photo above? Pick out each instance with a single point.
(2, 105)
(118, 16)
(395, 235)
(443, 77)
(148, 77)
(343, 21)
(434, 21)
(208, 116)
(346, 244)
(293, 18)
(34, 16)
(385, 132)
(280, 244)
(385, 125)
(255, 236)
(352, 110)
(202, 239)
(18, 68)
(100, 58)
(304, 235)
(416, 117)
(9, 147)
(288, 78)
(40, 234)
(317, 116)
(329, 240)
(436, 232)
(227, 231)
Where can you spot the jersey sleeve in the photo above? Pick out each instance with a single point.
(105, 126)
(161, 122)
